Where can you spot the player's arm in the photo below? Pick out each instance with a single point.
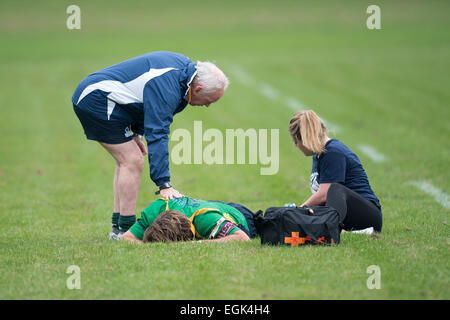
(137, 230)
(238, 235)
(158, 116)
(227, 231)
(128, 236)
(332, 168)
(319, 198)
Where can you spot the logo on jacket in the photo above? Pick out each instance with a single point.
(128, 132)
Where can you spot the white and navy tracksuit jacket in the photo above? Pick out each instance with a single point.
(145, 92)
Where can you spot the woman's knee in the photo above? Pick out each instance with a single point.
(336, 198)
(336, 194)
(335, 187)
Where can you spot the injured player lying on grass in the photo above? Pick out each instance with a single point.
(186, 219)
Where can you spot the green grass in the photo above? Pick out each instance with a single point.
(387, 88)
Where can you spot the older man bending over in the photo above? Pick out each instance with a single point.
(140, 96)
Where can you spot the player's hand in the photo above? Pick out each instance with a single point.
(141, 144)
(170, 193)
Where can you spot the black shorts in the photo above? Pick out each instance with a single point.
(107, 131)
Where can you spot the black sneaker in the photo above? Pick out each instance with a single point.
(115, 229)
(115, 234)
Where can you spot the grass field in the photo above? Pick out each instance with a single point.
(384, 88)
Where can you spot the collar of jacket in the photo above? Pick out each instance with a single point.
(188, 76)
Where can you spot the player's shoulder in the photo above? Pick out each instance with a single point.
(335, 147)
(154, 206)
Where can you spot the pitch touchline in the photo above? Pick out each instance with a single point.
(438, 195)
(373, 154)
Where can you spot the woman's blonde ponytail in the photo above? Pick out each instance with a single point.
(306, 127)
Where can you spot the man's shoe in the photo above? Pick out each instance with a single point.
(364, 231)
(115, 229)
(115, 234)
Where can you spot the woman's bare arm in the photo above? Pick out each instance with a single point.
(319, 198)
(239, 235)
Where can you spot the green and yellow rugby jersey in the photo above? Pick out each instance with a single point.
(209, 219)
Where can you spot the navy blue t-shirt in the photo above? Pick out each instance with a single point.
(339, 164)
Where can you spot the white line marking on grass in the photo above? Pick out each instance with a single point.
(372, 153)
(438, 195)
(241, 76)
(294, 104)
(332, 127)
(269, 92)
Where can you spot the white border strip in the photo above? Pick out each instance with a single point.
(440, 196)
(240, 75)
(294, 104)
(372, 153)
(269, 92)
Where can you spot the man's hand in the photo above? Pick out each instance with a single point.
(141, 144)
(170, 193)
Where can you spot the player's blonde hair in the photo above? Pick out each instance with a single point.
(306, 127)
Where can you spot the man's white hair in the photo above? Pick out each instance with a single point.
(210, 77)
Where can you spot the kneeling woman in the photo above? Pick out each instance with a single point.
(338, 178)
